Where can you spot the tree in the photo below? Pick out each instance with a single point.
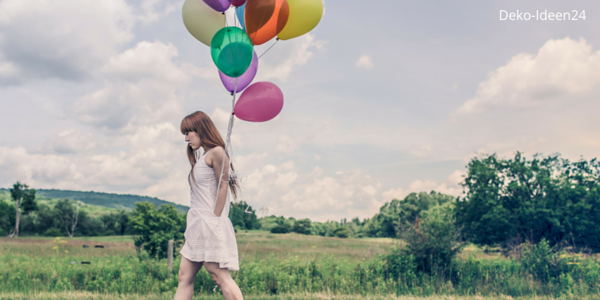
(115, 223)
(21, 192)
(46, 219)
(69, 215)
(511, 201)
(341, 232)
(154, 227)
(397, 215)
(302, 226)
(283, 228)
(7, 217)
(242, 214)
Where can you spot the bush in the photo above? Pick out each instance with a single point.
(400, 264)
(341, 232)
(285, 228)
(434, 240)
(542, 262)
(237, 228)
(302, 226)
(53, 232)
(154, 227)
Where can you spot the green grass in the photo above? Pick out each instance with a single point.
(169, 296)
(288, 266)
(263, 244)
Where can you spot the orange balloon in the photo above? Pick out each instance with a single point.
(265, 19)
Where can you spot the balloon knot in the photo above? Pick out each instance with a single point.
(232, 113)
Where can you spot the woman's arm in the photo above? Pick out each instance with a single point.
(218, 157)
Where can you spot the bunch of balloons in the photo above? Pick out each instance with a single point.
(232, 48)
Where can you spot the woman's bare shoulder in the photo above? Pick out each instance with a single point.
(216, 153)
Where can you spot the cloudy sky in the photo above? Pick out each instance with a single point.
(380, 100)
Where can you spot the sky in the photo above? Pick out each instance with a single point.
(380, 100)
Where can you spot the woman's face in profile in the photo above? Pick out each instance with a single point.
(193, 140)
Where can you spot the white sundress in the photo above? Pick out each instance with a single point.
(209, 238)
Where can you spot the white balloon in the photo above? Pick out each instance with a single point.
(201, 20)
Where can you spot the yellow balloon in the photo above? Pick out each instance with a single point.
(304, 16)
(201, 20)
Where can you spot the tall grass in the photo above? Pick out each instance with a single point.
(279, 265)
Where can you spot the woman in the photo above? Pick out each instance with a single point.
(209, 235)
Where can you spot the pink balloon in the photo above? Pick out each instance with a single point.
(238, 3)
(260, 102)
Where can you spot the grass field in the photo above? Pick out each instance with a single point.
(96, 296)
(288, 266)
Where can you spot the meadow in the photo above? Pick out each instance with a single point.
(287, 266)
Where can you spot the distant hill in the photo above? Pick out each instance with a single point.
(119, 201)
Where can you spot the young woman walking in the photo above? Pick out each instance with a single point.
(209, 235)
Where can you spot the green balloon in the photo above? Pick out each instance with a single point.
(232, 51)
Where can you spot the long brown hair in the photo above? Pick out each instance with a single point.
(200, 123)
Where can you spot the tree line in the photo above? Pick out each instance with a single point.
(506, 202)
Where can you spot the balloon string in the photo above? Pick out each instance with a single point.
(228, 149)
(235, 17)
(268, 49)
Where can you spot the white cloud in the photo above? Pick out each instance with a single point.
(287, 144)
(154, 10)
(365, 62)
(560, 68)
(66, 39)
(397, 193)
(284, 180)
(74, 141)
(450, 187)
(280, 61)
(140, 88)
(423, 151)
(148, 167)
(287, 190)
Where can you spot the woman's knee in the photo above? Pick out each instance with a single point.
(186, 276)
(216, 279)
(218, 275)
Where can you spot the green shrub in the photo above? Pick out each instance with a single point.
(285, 228)
(542, 262)
(53, 232)
(302, 226)
(341, 232)
(434, 240)
(400, 264)
(154, 227)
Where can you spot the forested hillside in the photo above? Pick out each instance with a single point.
(119, 201)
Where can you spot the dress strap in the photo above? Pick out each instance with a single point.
(211, 149)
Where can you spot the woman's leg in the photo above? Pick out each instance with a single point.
(187, 274)
(223, 279)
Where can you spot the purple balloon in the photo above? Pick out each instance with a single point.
(260, 102)
(218, 5)
(244, 80)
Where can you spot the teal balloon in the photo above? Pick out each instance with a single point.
(232, 51)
